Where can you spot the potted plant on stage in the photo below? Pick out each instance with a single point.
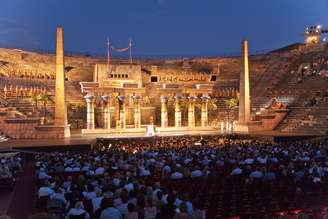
(45, 98)
(212, 108)
(231, 104)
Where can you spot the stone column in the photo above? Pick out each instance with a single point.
(106, 111)
(222, 127)
(177, 112)
(191, 111)
(121, 100)
(244, 99)
(5, 90)
(60, 97)
(136, 111)
(204, 111)
(164, 119)
(90, 111)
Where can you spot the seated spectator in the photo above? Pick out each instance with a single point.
(256, 174)
(236, 171)
(78, 211)
(109, 210)
(176, 175)
(182, 212)
(90, 193)
(46, 190)
(42, 175)
(196, 173)
(96, 201)
(59, 194)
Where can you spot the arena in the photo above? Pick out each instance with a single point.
(240, 136)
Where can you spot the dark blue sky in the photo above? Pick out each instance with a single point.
(159, 27)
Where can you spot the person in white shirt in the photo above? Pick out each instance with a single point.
(262, 160)
(90, 193)
(59, 195)
(116, 181)
(249, 161)
(96, 202)
(257, 174)
(99, 171)
(144, 172)
(196, 173)
(176, 175)
(76, 169)
(123, 206)
(68, 182)
(68, 169)
(157, 188)
(86, 167)
(77, 211)
(43, 175)
(236, 171)
(167, 169)
(45, 190)
(129, 186)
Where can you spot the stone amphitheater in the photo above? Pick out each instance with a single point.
(295, 76)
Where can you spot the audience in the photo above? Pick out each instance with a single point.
(132, 179)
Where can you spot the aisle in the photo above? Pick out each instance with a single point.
(5, 200)
(23, 200)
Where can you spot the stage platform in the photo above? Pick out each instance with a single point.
(41, 145)
(81, 142)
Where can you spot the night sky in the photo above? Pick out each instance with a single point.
(159, 27)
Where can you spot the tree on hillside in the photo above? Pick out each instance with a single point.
(212, 104)
(230, 105)
(45, 98)
(35, 99)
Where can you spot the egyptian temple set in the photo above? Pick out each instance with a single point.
(89, 96)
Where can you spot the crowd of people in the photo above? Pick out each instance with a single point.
(10, 165)
(318, 67)
(128, 179)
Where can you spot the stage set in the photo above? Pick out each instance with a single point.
(128, 101)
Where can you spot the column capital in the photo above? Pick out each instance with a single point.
(89, 98)
(136, 98)
(164, 99)
(121, 98)
(192, 98)
(177, 98)
(205, 98)
(105, 98)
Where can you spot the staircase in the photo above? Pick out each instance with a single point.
(312, 120)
